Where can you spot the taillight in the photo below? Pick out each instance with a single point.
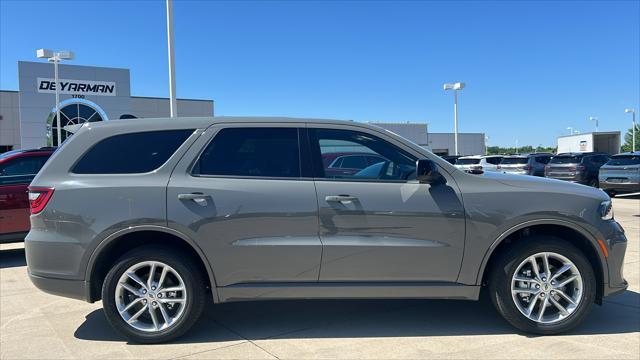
(38, 198)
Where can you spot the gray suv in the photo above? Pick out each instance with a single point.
(159, 217)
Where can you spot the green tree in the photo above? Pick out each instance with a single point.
(628, 139)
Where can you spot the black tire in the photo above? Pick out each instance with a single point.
(503, 271)
(594, 183)
(193, 281)
(611, 193)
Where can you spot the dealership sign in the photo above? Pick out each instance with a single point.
(77, 87)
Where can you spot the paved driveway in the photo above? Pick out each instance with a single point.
(37, 325)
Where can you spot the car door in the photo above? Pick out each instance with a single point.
(379, 224)
(242, 195)
(15, 176)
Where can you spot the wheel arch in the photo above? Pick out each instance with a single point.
(571, 232)
(115, 245)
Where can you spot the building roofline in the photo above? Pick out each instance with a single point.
(164, 98)
(86, 66)
(592, 133)
(11, 91)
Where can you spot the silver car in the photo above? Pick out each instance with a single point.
(621, 174)
(159, 217)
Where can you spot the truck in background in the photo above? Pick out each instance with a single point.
(602, 142)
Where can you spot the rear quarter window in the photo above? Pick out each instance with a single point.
(131, 153)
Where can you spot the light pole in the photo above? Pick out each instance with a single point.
(172, 76)
(570, 130)
(633, 127)
(516, 146)
(486, 144)
(55, 57)
(455, 87)
(592, 118)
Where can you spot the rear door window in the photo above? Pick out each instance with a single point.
(514, 160)
(29, 165)
(468, 161)
(131, 153)
(253, 152)
(494, 160)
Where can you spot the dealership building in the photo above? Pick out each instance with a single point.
(87, 94)
(438, 143)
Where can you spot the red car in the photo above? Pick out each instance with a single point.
(17, 169)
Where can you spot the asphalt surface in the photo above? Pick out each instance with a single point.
(35, 325)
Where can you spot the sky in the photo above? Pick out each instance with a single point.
(531, 69)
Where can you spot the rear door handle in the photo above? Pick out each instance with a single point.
(198, 198)
(340, 198)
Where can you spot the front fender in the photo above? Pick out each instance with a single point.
(592, 239)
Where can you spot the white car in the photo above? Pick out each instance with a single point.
(478, 163)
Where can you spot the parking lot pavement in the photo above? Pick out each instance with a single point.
(37, 325)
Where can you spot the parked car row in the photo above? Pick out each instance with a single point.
(617, 174)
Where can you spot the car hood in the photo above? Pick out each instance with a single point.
(544, 184)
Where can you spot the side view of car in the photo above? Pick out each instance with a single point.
(581, 168)
(17, 169)
(172, 215)
(621, 174)
(478, 163)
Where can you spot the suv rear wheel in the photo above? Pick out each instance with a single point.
(543, 285)
(151, 296)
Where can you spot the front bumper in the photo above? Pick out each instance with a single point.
(616, 243)
(76, 289)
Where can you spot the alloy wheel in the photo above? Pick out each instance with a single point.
(547, 287)
(150, 296)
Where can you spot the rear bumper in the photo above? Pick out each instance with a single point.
(620, 187)
(12, 237)
(75, 289)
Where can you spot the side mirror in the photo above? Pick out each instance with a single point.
(427, 172)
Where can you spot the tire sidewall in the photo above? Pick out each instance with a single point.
(192, 285)
(502, 275)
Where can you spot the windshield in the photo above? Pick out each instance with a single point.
(624, 160)
(467, 161)
(514, 160)
(565, 160)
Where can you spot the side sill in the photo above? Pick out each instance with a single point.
(348, 290)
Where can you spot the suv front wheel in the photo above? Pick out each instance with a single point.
(151, 296)
(543, 285)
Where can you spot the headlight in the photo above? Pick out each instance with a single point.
(606, 210)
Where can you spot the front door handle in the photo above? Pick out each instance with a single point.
(340, 198)
(198, 198)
